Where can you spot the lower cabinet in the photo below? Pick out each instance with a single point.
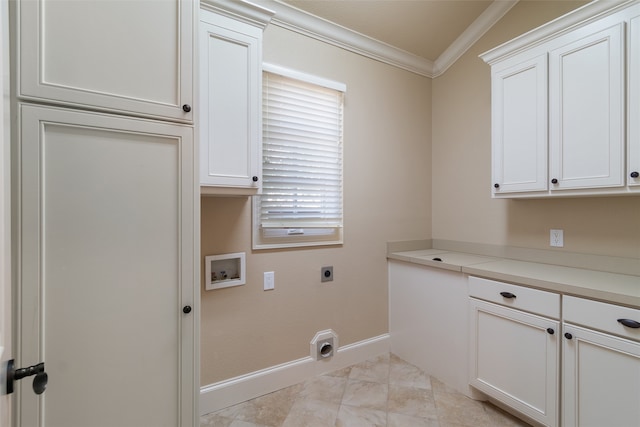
(515, 355)
(600, 370)
(514, 347)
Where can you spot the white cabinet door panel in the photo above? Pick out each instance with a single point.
(601, 380)
(107, 220)
(633, 170)
(230, 83)
(586, 111)
(519, 122)
(514, 358)
(124, 56)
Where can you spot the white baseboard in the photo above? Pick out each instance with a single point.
(245, 387)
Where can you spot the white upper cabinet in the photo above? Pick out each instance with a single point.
(586, 109)
(128, 57)
(633, 168)
(561, 125)
(230, 87)
(519, 129)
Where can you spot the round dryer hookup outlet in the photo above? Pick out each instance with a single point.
(326, 274)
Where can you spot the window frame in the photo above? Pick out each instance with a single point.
(288, 237)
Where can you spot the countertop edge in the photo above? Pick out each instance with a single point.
(611, 287)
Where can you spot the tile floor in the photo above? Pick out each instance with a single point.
(385, 391)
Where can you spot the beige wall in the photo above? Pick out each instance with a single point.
(462, 207)
(387, 196)
(404, 180)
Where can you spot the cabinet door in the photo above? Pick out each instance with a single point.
(519, 127)
(586, 110)
(600, 380)
(514, 358)
(133, 57)
(107, 209)
(633, 170)
(230, 84)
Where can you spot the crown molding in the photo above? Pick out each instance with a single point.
(240, 10)
(301, 22)
(581, 16)
(293, 19)
(472, 34)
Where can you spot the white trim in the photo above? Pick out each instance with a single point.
(245, 387)
(240, 10)
(305, 77)
(579, 17)
(296, 20)
(471, 35)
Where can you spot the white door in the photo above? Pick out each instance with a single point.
(515, 358)
(230, 82)
(519, 127)
(633, 169)
(106, 266)
(5, 214)
(133, 57)
(600, 379)
(586, 109)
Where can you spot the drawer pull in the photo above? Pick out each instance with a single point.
(507, 294)
(550, 331)
(630, 323)
(437, 259)
(568, 336)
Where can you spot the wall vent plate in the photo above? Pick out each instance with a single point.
(324, 345)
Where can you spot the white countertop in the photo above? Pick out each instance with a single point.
(611, 287)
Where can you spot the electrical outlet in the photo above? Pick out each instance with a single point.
(326, 274)
(269, 280)
(556, 238)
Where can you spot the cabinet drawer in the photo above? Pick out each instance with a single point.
(602, 316)
(518, 297)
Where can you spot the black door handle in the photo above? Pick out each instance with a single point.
(507, 294)
(630, 323)
(13, 374)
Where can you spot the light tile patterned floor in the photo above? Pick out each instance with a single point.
(385, 391)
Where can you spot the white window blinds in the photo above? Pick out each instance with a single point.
(302, 154)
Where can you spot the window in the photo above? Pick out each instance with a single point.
(301, 200)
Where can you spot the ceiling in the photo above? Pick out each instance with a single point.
(425, 28)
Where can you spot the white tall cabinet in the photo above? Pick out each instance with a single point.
(564, 106)
(107, 213)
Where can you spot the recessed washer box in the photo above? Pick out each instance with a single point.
(224, 271)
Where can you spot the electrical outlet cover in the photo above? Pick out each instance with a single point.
(556, 238)
(326, 274)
